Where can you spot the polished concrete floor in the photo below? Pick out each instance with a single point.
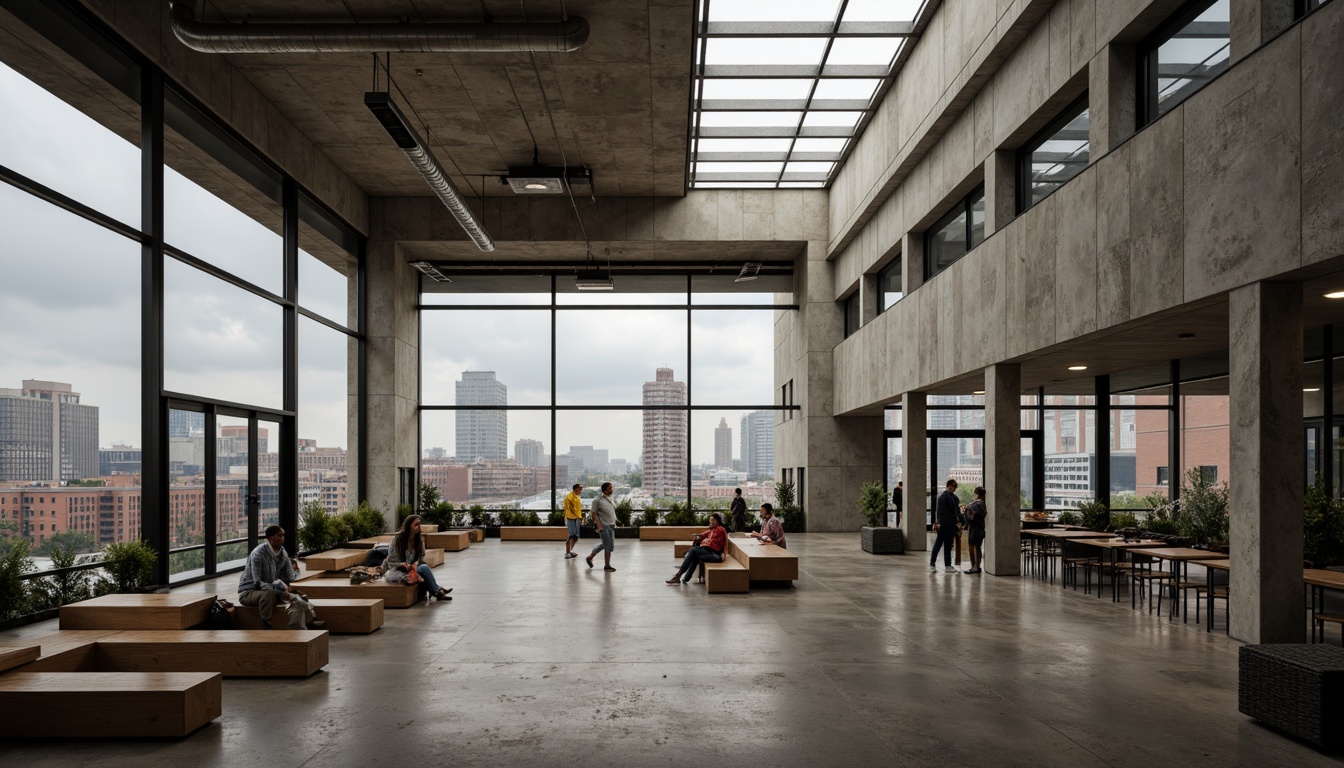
(869, 661)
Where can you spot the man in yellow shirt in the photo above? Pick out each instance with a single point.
(573, 518)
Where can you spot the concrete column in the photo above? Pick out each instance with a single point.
(1265, 385)
(1254, 22)
(915, 468)
(1111, 95)
(1000, 190)
(869, 292)
(912, 269)
(1003, 469)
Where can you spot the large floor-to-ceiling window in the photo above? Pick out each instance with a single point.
(663, 386)
(179, 316)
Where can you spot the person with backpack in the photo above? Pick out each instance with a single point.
(737, 511)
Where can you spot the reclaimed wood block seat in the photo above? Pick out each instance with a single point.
(680, 548)
(336, 585)
(17, 656)
(336, 559)
(231, 652)
(668, 532)
(170, 610)
(727, 576)
(477, 534)
(449, 541)
(766, 562)
(59, 705)
(342, 616)
(533, 533)
(429, 527)
(370, 542)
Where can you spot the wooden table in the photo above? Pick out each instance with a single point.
(1114, 546)
(1211, 566)
(1048, 535)
(1319, 580)
(1179, 557)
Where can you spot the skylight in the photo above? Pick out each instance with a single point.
(783, 88)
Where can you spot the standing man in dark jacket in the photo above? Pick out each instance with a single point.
(947, 519)
(898, 500)
(737, 512)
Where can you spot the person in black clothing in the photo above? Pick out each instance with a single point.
(975, 529)
(737, 512)
(898, 500)
(948, 511)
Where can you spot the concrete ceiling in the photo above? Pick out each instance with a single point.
(620, 104)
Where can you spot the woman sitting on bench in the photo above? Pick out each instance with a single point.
(406, 560)
(708, 549)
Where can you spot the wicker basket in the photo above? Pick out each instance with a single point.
(1295, 688)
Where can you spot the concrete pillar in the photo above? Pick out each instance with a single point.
(1265, 385)
(870, 295)
(1003, 469)
(912, 268)
(1112, 80)
(1254, 22)
(1000, 190)
(915, 468)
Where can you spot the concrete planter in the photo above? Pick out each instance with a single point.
(883, 541)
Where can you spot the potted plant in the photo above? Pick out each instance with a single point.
(790, 514)
(877, 538)
(1322, 527)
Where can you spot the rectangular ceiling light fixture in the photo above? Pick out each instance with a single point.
(431, 271)
(547, 180)
(749, 272)
(595, 280)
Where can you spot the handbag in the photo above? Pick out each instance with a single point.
(301, 612)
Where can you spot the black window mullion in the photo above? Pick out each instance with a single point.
(154, 523)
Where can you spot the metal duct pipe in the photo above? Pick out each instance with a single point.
(380, 104)
(277, 37)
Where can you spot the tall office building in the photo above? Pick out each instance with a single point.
(529, 452)
(46, 434)
(185, 423)
(482, 434)
(723, 445)
(758, 443)
(665, 467)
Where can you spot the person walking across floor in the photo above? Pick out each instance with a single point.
(709, 546)
(898, 500)
(947, 511)
(405, 561)
(573, 518)
(976, 512)
(604, 517)
(772, 531)
(737, 512)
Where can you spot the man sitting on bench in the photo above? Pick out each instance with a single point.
(708, 549)
(266, 578)
(772, 531)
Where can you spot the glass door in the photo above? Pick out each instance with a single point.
(234, 489)
(958, 455)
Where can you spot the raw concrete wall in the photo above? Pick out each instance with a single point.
(210, 78)
(1214, 195)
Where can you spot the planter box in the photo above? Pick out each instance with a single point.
(883, 541)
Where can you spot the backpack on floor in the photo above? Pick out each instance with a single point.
(220, 616)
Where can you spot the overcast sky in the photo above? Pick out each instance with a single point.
(70, 302)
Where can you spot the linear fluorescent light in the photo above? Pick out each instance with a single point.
(749, 272)
(594, 281)
(399, 128)
(431, 271)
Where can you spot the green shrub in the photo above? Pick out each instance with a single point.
(477, 513)
(364, 521)
(679, 514)
(129, 566)
(1121, 520)
(556, 517)
(319, 530)
(1095, 515)
(1068, 518)
(623, 512)
(441, 514)
(1203, 509)
(67, 587)
(14, 563)
(790, 514)
(1322, 527)
(429, 497)
(873, 504)
(530, 517)
(650, 517)
(402, 511)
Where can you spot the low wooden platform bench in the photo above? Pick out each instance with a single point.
(533, 533)
(668, 532)
(60, 705)
(348, 616)
(231, 652)
(370, 542)
(766, 562)
(329, 585)
(335, 559)
(449, 541)
(727, 576)
(170, 610)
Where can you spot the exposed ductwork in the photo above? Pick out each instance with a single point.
(342, 37)
(399, 128)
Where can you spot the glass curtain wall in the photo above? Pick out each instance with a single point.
(85, 268)
(664, 387)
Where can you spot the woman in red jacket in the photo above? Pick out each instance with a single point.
(708, 548)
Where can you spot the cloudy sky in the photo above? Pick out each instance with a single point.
(71, 308)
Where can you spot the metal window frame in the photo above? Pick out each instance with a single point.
(961, 207)
(1148, 109)
(896, 265)
(1024, 155)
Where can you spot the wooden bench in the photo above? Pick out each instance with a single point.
(370, 542)
(449, 541)
(171, 610)
(429, 527)
(727, 576)
(766, 562)
(231, 652)
(335, 559)
(668, 532)
(680, 548)
(336, 586)
(18, 656)
(342, 617)
(477, 534)
(60, 705)
(533, 533)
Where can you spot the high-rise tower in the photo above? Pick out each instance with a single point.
(665, 467)
(723, 445)
(482, 434)
(758, 443)
(46, 434)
